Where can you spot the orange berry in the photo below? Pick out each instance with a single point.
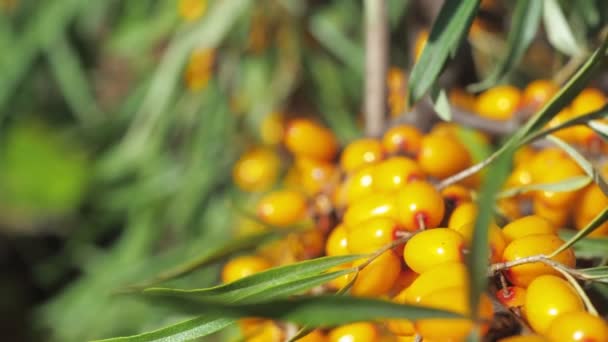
(315, 176)
(548, 297)
(378, 277)
(512, 296)
(200, 68)
(306, 138)
(314, 336)
(396, 81)
(400, 327)
(420, 203)
(374, 205)
(564, 169)
(271, 129)
(527, 225)
(453, 299)
(393, 173)
(526, 246)
(355, 332)
(282, 208)
(402, 139)
(557, 216)
(545, 160)
(371, 235)
(343, 280)
(361, 152)
(448, 274)
(359, 184)
(433, 247)
(591, 202)
(337, 242)
(569, 134)
(538, 92)
(256, 170)
(524, 155)
(243, 266)
(456, 194)
(267, 332)
(463, 215)
(421, 39)
(462, 99)
(496, 239)
(442, 155)
(578, 326)
(589, 100)
(499, 103)
(510, 207)
(524, 338)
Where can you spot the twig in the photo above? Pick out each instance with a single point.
(376, 59)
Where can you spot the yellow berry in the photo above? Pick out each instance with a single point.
(359, 184)
(433, 247)
(271, 129)
(374, 205)
(499, 103)
(557, 216)
(355, 332)
(267, 332)
(403, 139)
(400, 327)
(448, 274)
(371, 235)
(578, 326)
(463, 215)
(391, 174)
(548, 297)
(527, 225)
(316, 176)
(337, 242)
(256, 170)
(282, 208)
(243, 266)
(361, 152)
(591, 202)
(442, 155)
(420, 205)
(538, 92)
(564, 169)
(524, 338)
(306, 138)
(192, 9)
(421, 39)
(496, 239)
(378, 277)
(456, 194)
(512, 296)
(314, 336)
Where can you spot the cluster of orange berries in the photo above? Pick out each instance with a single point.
(381, 191)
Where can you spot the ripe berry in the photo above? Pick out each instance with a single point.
(523, 275)
(374, 205)
(306, 138)
(448, 274)
(256, 170)
(267, 331)
(465, 214)
(456, 194)
(272, 128)
(462, 99)
(455, 299)
(557, 216)
(577, 326)
(496, 239)
(337, 242)
(378, 277)
(420, 205)
(355, 332)
(591, 202)
(563, 169)
(282, 208)
(370, 235)
(569, 134)
(421, 39)
(499, 103)
(359, 184)
(524, 338)
(243, 266)
(527, 225)
(400, 327)
(512, 296)
(548, 297)
(442, 155)
(314, 336)
(191, 10)
(538, 92)
(361, 152)
(315, 176)
(393, 173)
(433, 247)
(403, 139)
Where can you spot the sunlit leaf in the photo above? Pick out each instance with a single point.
(589, 247)
(558, 29)
(569, 184)
(441, 104)
(600, 128)
(599, 273)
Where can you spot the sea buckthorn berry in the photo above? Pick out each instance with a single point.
(496, 239)
(355, 332)
(564, 169)
(406, 277)
(589, 100)
(361, 152)
(524, 338)
(569, 134)
(306, 138)
(400, 327)
(442, 156)
(512, 296)
(343, 280)
(282, 208)
(374, 205)
(462, 99)
(510, 208)
(449, 274)
(455, 299)
(577, 326)
(520, 176)
(359, 184)
(192, 9)
(256, 170)
(557, 216)
(268, 331)
(393, 173)
(456, 194)
(524, 155)
(243, 266)
(404, 139)
(370, 235)
(526, 246)
(421, 39)
(538, 92)
(378, 277)
(499, 103)
(337, 242)
(315, 175)
(548, 297)
(199, 69)
(271, 129)
(433, 247)
(591, 202)
(527, 225)
(420, 205)
(314, 336)
(397, 104)
(545, 160)
(463, 215)
(395, 80)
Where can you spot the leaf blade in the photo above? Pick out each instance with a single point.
(558, 30)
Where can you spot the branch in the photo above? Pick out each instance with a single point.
(376, 60)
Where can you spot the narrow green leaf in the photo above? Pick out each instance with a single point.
(599, 273)
(281, 279)
(524, 25)
(586, 248)
(441, 104)
(582, 162)
(328, 33)
(589, 11)
(219, 253)
(569, 184)
(449, 28)
(600, 128)
(477, 259)
(558, 29)
(184, 331)
(396, 10)
(600, 219)
(312, 311)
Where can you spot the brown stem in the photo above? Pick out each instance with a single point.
(376, 59)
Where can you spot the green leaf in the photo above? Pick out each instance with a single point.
(595, 247)
(589, 11)
(313, 311)
(217, 254)
(524, 25)
(441, 104)
(582, 162)
(396, 10)
(258, 284)
(183, 331)
(477, 259)
(599, 273)
(599, 220)
(449, 28)
(569, 184)
(600, 128)
(558, 30)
